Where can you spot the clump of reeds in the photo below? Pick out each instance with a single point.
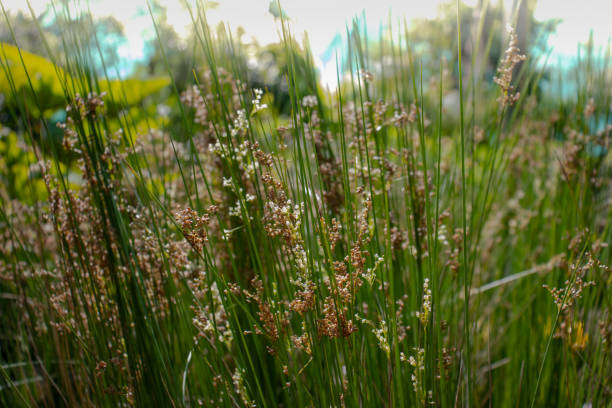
(366, 249)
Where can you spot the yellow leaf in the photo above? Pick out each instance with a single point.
(17, 68)
(133, 91)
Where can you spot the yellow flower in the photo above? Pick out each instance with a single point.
(580, 337)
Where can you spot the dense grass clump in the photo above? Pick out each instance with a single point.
(434, 232)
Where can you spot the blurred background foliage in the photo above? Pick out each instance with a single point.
(172, 63)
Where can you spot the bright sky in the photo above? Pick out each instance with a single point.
(322, 19)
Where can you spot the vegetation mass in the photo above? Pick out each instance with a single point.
(221, 230)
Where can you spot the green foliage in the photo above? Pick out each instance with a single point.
(23, 72)
(17, 170)
(132, 91)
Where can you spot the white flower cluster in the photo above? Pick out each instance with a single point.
(240, 123)
(424, 315)
(442, 235)
(309, 101)
(257, 105)
(419, 365)
(215, 312)
(234, 211)
(239, 387)
(381, 334)
(370, 273)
